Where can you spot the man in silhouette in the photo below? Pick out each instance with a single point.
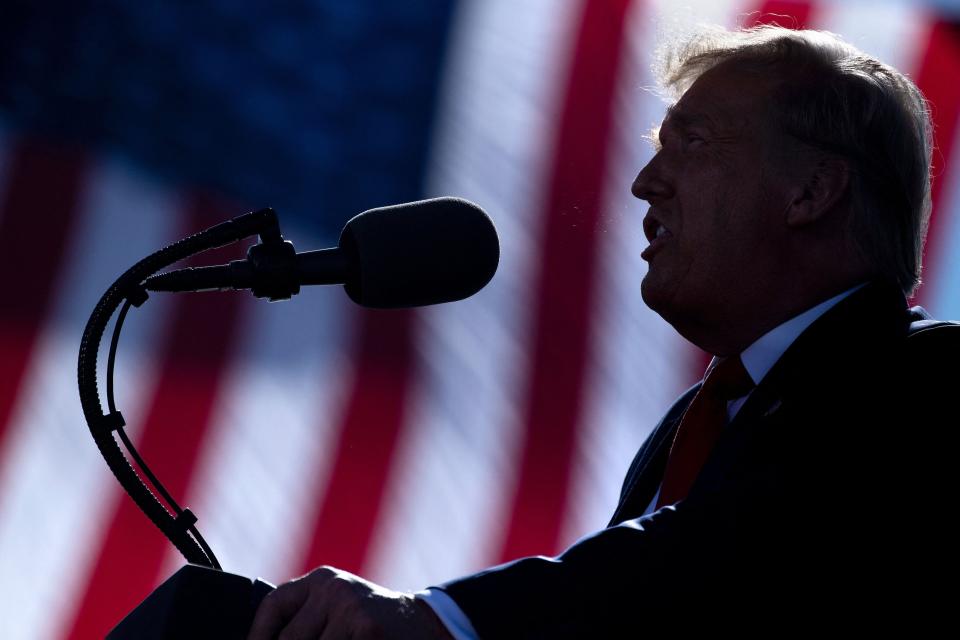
(804, 479)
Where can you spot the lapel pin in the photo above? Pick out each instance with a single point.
(773, 408)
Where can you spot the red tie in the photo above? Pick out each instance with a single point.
(700, 427)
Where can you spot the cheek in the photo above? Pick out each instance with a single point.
(741, 219)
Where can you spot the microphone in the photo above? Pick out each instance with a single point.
(406, 255)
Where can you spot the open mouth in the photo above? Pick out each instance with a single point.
(653, 228)
(657, 234)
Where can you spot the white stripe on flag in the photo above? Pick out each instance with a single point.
(54, 485)
(449, 497)
(894, 33)
(944, 275)
(668, 18)
(271, 431)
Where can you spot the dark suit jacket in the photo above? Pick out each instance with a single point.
(826, 499)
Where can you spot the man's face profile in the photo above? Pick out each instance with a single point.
(716, 195)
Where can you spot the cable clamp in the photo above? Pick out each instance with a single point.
(185, 520)
(137, 295)
(110, 422)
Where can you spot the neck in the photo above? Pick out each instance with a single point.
(737, 327)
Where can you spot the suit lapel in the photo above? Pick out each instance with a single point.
(648, 465)
(762, 405)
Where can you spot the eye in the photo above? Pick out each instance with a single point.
(692, 139)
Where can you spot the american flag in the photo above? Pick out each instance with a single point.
(407, 446)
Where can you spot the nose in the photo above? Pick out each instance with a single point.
(651, 183)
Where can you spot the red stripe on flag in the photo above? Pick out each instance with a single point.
(371, 426)
(793, 15)
(565, 287)
(36, 221)
(201, 334)
(939, 79)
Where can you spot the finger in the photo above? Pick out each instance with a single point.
(308, 624)
(276, 609)
(330, 611)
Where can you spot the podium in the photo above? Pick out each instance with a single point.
(195, 603)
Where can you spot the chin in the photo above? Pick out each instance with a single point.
(688, 321)
(663, 301)
(655, 297)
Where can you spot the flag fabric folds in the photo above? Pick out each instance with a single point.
(408, 446)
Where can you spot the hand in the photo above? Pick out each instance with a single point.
(328, 604)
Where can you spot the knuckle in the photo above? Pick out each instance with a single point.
(321, 578)
(343, 587)
(324, 572)
(274, 600)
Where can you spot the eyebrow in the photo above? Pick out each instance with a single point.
(680, 119)
(685, 118)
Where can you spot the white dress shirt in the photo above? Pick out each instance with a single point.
(757, 359)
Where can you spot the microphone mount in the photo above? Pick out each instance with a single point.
(269, 271)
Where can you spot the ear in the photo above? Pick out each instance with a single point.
(826, 185)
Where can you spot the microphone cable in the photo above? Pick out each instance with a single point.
(180, 514)
(180, 526)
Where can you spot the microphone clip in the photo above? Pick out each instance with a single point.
(270, 270)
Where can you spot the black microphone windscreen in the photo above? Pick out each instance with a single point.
(420, 253)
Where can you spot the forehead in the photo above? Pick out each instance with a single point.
(723, 97)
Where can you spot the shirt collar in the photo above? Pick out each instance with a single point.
(760, 356)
